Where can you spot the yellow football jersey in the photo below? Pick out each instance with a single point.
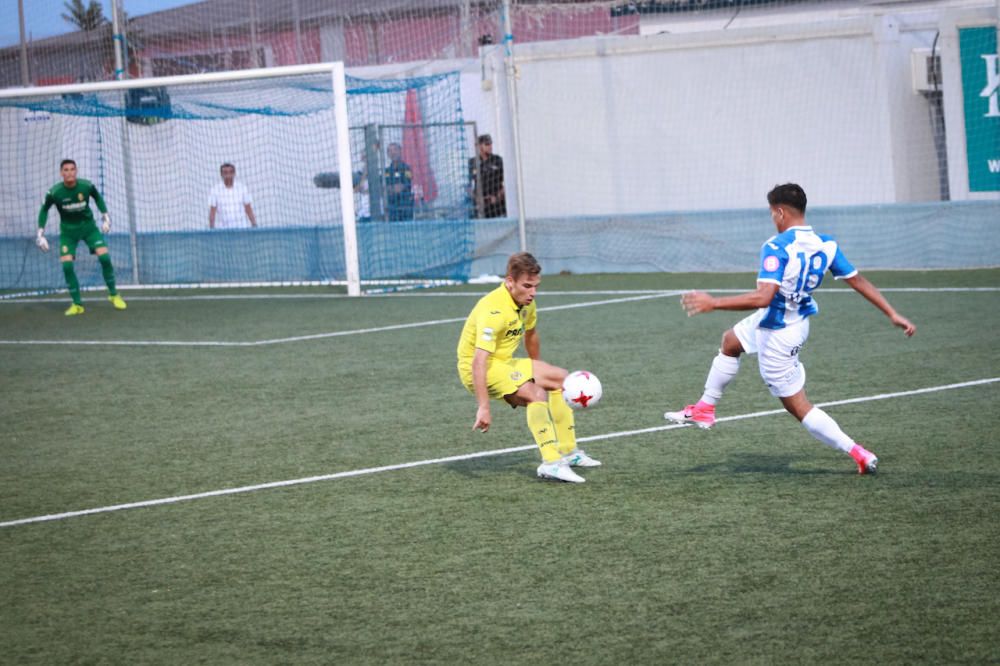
(497, 325)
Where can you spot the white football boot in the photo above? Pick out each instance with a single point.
(579, 458)
(560, 471)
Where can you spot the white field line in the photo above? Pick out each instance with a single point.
(315, 336)
(466, 456)
(291, 297)
(468, 294)
(637, 295)
(320, 296)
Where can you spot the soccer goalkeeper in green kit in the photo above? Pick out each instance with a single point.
(76, 223)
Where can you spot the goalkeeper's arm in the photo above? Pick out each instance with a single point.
(40, 241)
(43, 217)
(101, 206)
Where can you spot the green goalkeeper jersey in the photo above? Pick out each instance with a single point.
(73, 203)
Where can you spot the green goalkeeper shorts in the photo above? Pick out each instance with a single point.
(71, 235)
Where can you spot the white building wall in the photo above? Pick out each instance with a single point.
(706, 120)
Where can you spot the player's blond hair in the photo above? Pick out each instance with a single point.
(522, 263)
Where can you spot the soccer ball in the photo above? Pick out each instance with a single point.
(581, 389)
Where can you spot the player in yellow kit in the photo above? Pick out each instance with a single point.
(487, 367)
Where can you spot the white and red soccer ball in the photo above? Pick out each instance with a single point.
(581, 389)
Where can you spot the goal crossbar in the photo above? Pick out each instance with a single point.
(339, 86)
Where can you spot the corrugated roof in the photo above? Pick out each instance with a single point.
(226, 14)
(231, 13)
(217, 15)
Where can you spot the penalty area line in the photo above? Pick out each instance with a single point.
(58, 296)
(458, 458)
(315, 336)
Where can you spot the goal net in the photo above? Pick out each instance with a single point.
(155, 150)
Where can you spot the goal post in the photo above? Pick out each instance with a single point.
(353, 275)
(309, 146)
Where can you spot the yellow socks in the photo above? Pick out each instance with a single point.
(542, 429)
(564, 421)
(553, 426)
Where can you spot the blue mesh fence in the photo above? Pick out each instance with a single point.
(280, 135)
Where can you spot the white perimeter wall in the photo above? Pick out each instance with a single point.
(710, 120)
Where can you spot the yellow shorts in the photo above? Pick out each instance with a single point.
(502, 377)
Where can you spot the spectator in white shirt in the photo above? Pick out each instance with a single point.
(231, 200)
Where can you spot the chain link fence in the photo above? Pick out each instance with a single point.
(223, 35)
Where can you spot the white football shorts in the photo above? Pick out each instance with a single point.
(777, 352)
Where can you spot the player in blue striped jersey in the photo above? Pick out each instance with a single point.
(792, 266)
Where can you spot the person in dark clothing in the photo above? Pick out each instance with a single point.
(486, 180)
(398, 185)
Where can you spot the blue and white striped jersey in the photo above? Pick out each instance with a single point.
(796, 261)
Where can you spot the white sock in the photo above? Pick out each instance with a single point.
(821, 426)
(724, 368)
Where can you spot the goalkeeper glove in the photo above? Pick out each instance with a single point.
(105, 222)
(40, 241)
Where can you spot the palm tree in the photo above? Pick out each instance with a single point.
(86, 18)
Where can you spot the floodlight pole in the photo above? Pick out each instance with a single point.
(465, 38)
(117, 37)
(511, 68)
(121, 72)
(25, 78)
(253, 35)
(297, 23)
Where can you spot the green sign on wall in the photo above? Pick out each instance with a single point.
(981, 94)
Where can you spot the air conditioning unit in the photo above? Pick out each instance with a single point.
(926, 70)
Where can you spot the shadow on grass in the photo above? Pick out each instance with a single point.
(492, 465)
(764, 463)
(737, 463)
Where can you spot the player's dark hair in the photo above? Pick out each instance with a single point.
(522, 263)
(227, 164)
(65, 162)
(788, 194)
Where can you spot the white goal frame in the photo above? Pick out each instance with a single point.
(337, 75)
